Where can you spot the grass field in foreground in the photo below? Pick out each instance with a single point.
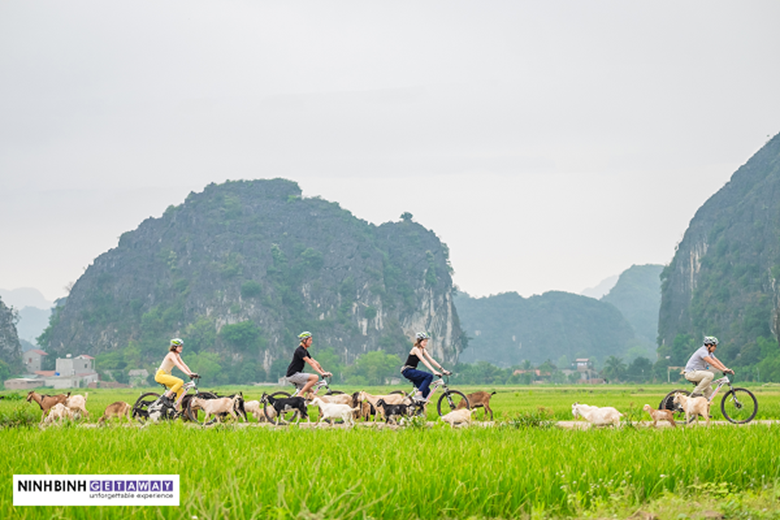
(419, 472)
(434, 472)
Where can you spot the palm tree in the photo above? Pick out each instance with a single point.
(614, 368)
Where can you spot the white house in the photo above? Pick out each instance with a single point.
(71, 372)
(33, 360)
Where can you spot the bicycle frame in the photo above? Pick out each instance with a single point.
(189, 385)
(322, 383)
(435, 385)
(720, 382)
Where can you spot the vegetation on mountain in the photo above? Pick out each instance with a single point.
(240, 269)
(637, 295)
(507, 329)
(10, 348)
(724, 279)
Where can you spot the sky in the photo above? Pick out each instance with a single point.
(549, 144)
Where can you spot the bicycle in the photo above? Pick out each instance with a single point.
(270, 412)
(150, 405)
(448, 401)
(738, 405)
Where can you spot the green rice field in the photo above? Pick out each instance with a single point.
(521, 466)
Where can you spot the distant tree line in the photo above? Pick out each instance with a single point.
(375, 368)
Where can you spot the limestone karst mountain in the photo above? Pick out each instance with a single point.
(242, 267)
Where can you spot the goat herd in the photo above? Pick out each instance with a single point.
(393, 408)
(61, 407)
(346, 408)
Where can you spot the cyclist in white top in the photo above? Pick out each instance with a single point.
(696, 368)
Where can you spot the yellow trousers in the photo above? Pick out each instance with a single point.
(174, 383)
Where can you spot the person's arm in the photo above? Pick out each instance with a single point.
(715, 362)
(316, 366)
(421, 355)
(444, 370)
(179, 362)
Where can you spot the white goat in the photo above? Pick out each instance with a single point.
(78, 404)
(458, 417)
(595, 415)
(334, 411)
(216, 406)
(57, 413)
(695, 406)
(256, 409)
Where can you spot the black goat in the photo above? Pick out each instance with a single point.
(286, 404)
(393, 410)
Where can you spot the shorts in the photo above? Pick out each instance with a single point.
(299, 379)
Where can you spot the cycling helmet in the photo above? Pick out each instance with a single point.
(303, 335)
(711, 340)
(176, 342)
(422, 335)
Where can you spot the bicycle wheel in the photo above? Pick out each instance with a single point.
(270, 411)
(667, 403)
(450, 400)
(141, 406)
(193, 412)
(739, 405)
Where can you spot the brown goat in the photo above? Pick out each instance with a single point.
(118, 409)
(478, 400)
(660, 415)
(46, 401)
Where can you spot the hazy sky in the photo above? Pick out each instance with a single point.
(549, 144)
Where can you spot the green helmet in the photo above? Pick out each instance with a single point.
(711, 340)
(422, 335)
(303, 335)
(176, 342)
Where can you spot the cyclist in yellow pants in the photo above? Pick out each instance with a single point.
(163, 375)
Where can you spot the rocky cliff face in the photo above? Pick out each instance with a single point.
(242, 267)
(723, 278)
(10, 348)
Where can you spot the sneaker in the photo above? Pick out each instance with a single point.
(419, 399)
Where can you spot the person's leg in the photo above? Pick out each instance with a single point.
(421, 380)
(174, 384)
(409, 374)
(308, 386)
(704, 379)
(426, 384)
(178, 391)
